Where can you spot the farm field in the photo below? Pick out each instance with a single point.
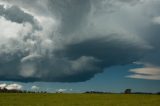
(20, 99)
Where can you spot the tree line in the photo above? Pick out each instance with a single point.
(5, 90)
(126, 91)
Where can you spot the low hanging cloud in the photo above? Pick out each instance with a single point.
(34, 87)
(73, 40)
(2, 86)
(61, 90)
(11, 86)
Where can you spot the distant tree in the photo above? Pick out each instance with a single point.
(128, 91)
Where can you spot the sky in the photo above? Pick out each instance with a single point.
(80, 45)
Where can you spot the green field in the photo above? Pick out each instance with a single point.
(78, 100)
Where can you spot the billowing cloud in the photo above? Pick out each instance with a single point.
(11, 86)
(72, 40)
(2, 86)
(61, 90)
(34, 87)
(14, 87)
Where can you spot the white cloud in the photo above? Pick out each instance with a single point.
(11, 41)
(14, 87)
(2, 86)
(150, 73)
(61, 90)
(147, 77)
(34, 87)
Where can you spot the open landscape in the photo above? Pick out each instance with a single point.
(79, 52)
(20, 99)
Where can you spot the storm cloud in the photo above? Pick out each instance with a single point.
(73, 40)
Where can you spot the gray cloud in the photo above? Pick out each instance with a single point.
(17, 15)
(76, 40)
(72, 13)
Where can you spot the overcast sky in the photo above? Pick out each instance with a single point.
(80, 44)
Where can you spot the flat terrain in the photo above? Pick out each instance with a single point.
(78, 100)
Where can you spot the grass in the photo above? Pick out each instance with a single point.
(11, 99)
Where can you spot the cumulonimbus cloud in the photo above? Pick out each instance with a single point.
(71, 40)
